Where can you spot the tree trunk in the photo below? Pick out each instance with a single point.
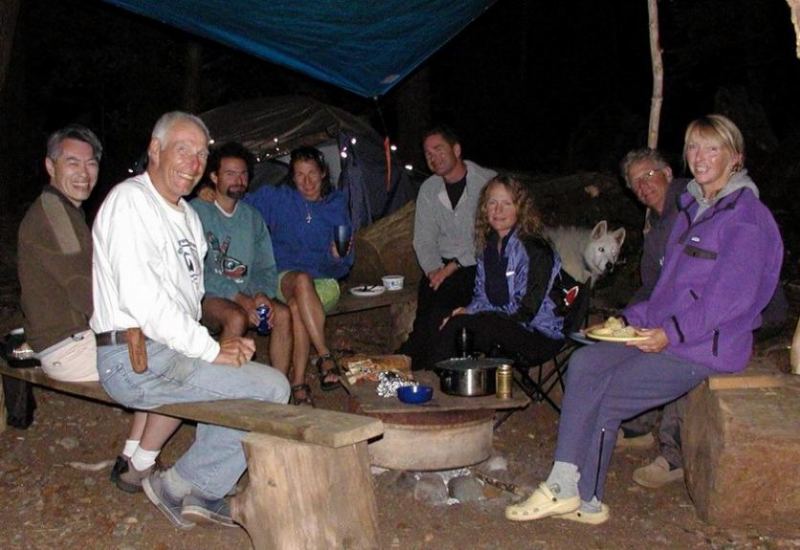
(413, 116)
(191, 83)
(9, 9)
(795, 7)
(658, 76)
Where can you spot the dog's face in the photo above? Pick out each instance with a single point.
(603, 249)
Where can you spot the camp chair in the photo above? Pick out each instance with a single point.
(575, 313)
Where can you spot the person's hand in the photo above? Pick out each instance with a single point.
(437, 276)
(656, 340)
(249, 304)
(207, 193)
(235, 351)
(456, 311)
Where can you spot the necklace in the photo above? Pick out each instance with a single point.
(309, 217)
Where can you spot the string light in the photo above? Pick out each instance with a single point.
(409, 167)
(393, 148)
(353, 141)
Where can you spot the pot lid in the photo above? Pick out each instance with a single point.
(469, 363)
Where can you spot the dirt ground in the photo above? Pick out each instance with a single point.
(48, 503)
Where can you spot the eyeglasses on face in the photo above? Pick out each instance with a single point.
(644, 178)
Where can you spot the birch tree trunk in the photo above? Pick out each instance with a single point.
(795, 7)
(658, 75)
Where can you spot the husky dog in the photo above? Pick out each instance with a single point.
(586, 254)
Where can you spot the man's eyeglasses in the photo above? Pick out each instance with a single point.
(644, 178)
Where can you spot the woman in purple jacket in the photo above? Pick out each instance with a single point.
(722, 263)
(511, 305)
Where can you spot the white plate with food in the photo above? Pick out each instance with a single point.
(614, 330)
(366, 291)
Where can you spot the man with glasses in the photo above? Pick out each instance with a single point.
(649, 176)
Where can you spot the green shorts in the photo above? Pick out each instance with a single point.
(327, 290)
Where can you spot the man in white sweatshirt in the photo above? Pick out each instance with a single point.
(148, 274)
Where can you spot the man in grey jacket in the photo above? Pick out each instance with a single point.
(444, 227)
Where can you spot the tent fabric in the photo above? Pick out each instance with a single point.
(363, 47)
(271, 127)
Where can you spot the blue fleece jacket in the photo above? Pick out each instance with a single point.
(302, 231)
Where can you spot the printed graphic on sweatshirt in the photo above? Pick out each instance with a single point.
(223, 264)
(188, 251)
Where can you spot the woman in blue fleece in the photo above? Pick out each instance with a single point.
(301, 218)
(511, 305)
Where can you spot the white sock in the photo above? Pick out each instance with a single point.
(175, 484)
(142, 459)
(563, 479)
(130, 447)
(594, 506)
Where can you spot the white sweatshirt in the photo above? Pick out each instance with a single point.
(148, 268)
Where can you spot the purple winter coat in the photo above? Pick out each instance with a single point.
(719, 272)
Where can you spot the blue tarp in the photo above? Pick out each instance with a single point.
(364, 47)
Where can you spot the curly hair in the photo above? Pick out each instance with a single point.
(529, 222)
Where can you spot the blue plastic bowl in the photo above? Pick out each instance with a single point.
(414, 395)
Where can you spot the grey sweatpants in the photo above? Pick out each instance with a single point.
(607, 383)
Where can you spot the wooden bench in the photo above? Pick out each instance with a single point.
(309, 485)
(402, 306)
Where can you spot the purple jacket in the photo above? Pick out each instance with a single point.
(530, 272)
(719, 272)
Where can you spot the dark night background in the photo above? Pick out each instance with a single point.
(545, 87)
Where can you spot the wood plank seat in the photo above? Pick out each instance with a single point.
(314, 462)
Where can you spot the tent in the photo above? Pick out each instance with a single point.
(364, 47)
(356, 156)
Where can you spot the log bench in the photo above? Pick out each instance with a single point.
(402, 306)
(310, 484)
(741, 449)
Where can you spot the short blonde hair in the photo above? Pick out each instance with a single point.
(719, 128)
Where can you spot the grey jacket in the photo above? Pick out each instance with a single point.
(441, 232)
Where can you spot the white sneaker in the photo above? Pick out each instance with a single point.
(657, 474)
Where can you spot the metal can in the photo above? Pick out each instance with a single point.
(503, 382)
(263, 320)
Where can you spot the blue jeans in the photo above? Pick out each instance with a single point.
(607, 383)
(216, 460)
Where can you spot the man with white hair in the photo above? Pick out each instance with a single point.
(152, 350)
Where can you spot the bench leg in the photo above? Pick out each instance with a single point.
(402, 316)
(307, 496)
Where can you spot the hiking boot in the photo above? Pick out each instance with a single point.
(128, 478)
(644, 441)
(156, 490)
(204, 511)
(657, 474)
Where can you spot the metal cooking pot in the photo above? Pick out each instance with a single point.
(468, 377)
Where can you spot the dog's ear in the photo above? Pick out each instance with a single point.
(619, 236)
(599, 230)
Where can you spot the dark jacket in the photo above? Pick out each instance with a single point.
(54, 250)
(531, 269)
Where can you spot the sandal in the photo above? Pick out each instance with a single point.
(305, 391)
(542, 504)
(328, 385)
